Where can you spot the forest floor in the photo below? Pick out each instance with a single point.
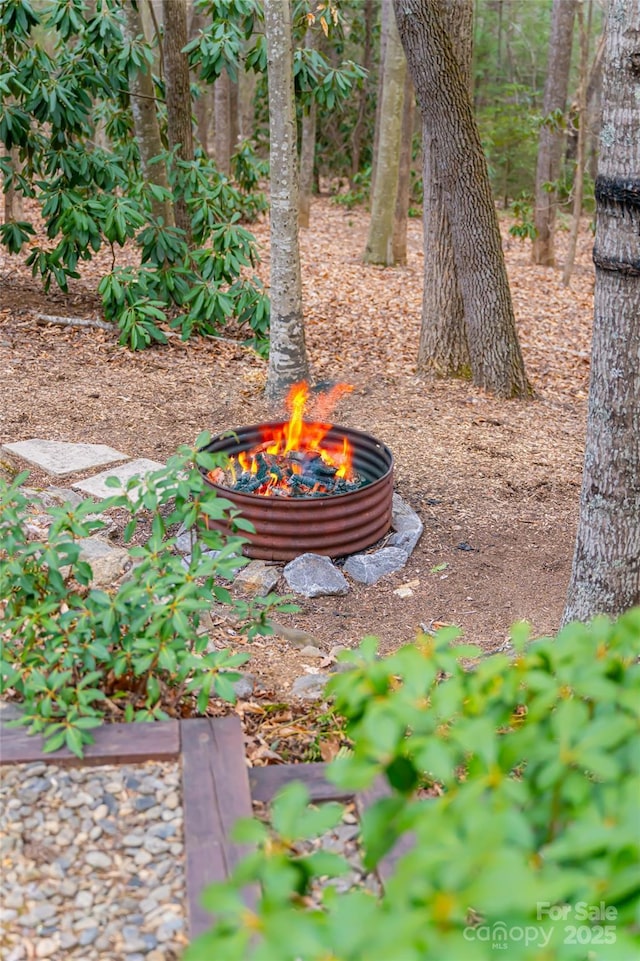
(502, 477)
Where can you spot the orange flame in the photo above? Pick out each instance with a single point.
(300, 437)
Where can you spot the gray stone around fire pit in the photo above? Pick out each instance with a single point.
(108, 563)
(97, 487)
(313, 575)
(59, 458)
(369, 568)
(406, 524)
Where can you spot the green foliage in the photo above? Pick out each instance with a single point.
(528, 839)
(522, 211)
(90, 196)
(69, 647)
(509, 131)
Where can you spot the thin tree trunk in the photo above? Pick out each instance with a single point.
(379, 248)
(145, 120)
(367, 60)
(386, 14)
(13, 205)
(287, 350)
(178, 94)
(605, 577)
(443, 96)
(234, 115)
(443, 349)
(222, 110)
(401, 215)
(581, 120)
(203, 104)
(551, 133)
(307, 150)
(246, 110)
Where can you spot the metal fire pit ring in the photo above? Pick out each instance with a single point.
(335, 525)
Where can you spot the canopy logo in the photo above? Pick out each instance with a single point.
(499, 934)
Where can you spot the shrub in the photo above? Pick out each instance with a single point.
(527, 838)
(72, 651)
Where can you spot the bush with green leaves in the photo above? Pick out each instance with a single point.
(517, 780)
(72, 652)
(63, 67)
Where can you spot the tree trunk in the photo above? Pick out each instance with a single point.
(307, 151)
(606, 566)
(551, 133)
(367, 59)
(204, 102)
(145, 120)
(445, 103)
(222, 110)
(379, 248)
(13, 199)
(247, 81)
(178, 94)
(386, 15)
(401, 215)
(581, 121)
(287, 351)
(443, 348)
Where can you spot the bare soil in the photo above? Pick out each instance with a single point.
(499, 477)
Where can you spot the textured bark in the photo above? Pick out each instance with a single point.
(367, 60)
(386, 15)
(178, 93)
(287, 350)
(401, 215)
(379, 248)
(443, 348)
(606, 566)
(445, 103)
(307, 151)
(13, 200)
(203, 104)
(145, 120)
(551, 135)
(246, 109)
(222, 110)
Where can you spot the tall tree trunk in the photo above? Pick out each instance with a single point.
(287, 350)
(247, 81)
(203, 104)
(551, 133)
(445, 102)
(401, 214)
(443, 349)
(222, 110)
(145, 120)
(13, 199)
(307, 151)
(581, 120)
(606, 566)
(386, 15)
(357, 133)
(178, 94)
(379, 248)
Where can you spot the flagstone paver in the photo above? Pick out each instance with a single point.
(96, 486)
(60, 458)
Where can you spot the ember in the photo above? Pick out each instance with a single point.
(295, 459)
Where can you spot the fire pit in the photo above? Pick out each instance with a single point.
(305, 486)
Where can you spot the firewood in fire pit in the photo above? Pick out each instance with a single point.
(294, 474)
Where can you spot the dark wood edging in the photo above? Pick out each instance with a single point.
(218, 788)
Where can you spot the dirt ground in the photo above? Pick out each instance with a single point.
(501, 477)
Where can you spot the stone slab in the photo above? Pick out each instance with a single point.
(59, 458)
(96, 486)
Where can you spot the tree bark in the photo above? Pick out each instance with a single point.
(445, 103)
(605, 577)
(379, 248)
(386, 15)
(178, 94)
(401, 214)
(443, 349)
(307, 150)
(287, 350)
(367, 59)
(551, 134)
(145, 120)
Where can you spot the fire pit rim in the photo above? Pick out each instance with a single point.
(232, 433)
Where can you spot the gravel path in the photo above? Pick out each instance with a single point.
(92, 863)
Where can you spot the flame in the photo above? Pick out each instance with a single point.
(292, 450)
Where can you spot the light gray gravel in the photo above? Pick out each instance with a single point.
(92, 863)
